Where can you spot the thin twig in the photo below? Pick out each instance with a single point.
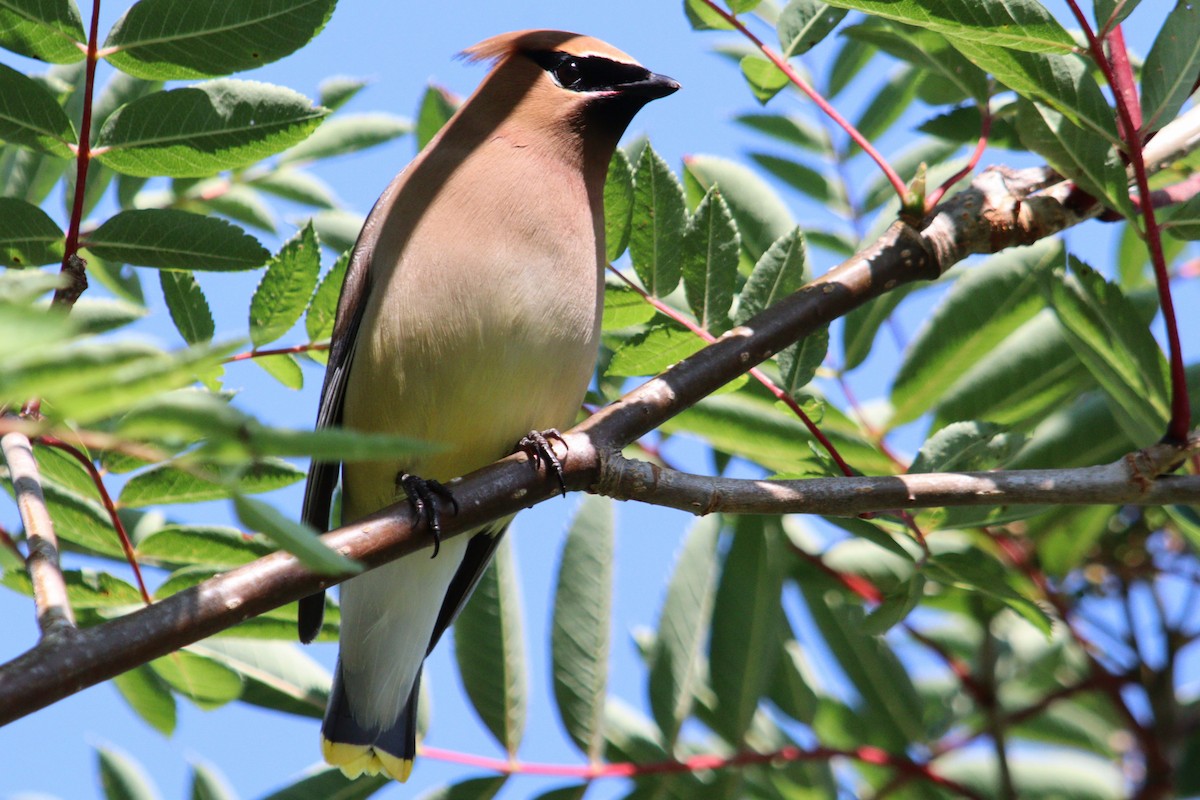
(54, 614)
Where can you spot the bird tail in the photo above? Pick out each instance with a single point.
(356, 750)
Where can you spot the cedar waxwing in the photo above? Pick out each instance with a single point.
(469, 317)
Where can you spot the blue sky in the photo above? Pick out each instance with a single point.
(400, 48)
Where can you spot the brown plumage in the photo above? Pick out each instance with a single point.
(470, 315)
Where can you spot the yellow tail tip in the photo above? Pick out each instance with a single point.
(358, 759)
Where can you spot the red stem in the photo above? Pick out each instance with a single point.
(109, 506)
(864, 754)
(1180, 422)
(83, 157)
(279, 351)
(985, 130)
(816, 97)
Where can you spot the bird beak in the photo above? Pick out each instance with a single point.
(651, 87)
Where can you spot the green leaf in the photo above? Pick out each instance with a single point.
(337, 229)
(677, 660)
(1079, 776)
(489, 644)
(299, 540)
(765, 78)
(275, 675)
(28, 237)
(201, 680)
(102, 314)
(789, 129)
(149, 696)
(653, 350)
(782, 270)
(703, 18)
(1112, 12)
(283, 367)
(928, 51)
(618, 205)
(579, 633)
(347, 133)
(170, 239)
(791, 690)
(1078, 154)
(329, 782)
(295, 184)
(285, 288)
(1182, 222)
(965, 447)
(29, 175)
(803, 24)
(985, 305)
(850, 60)
(240, 203)
(1174, 56)
(338, 90)
(1032, 373)
(437, 107)
(188, 306)
(30, 116)
(473, 789)
(176, 39)
(164, 484)
(745, 620)
(208, 784)
(198, 131)
(659, 222)
(1014, 24)
(981, 572)
(895, 606)
(887, 106)
(761, 216)
(202, 544)
(710, 261)
(122, 778)
(624, 307)
(86, 588)
(806, 180)
(863, 323)
(1106, 333)
(799, 362)
(322, 310)
(44, 31)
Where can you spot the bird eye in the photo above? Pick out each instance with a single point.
(567, 73)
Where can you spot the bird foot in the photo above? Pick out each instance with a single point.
(537, 446)
(422, 498)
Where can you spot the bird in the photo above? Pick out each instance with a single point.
(469, 317)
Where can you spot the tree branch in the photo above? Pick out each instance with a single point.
(1002, 208)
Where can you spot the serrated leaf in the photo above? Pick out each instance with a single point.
(122, 778)
(175, 39)
(761, 216)
(149, 696)
(337, 229)
(579, 633)
(347, 133)
(30, 116)
(658, 224)
(804, 23)
(618, 204)
(165, 484)
(965, 447)
(624, 307)
(745, 619)
(285, 288)
(202, 544)
(930, 52)
(188, 306)
(1174, 56)
(653, 350)
(437, 107)
(1082, 156)
(781, 270)
(28, 237)
(765, 78)
(322, 309)
(986, 304)
(1105, 331)
(489, 644)
(710, 262)
(1014, 24)
(201, 680)
(677, 660)
(44, 31)
(299, 540)
(170, 239)
(200, 130)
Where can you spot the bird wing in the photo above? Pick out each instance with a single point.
(323, 475)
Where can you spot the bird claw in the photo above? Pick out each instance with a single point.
(422, 498)
(537, 446)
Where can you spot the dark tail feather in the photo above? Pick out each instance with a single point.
(310, 617)
(346, 740)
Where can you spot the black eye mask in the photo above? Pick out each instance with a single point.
(587, 73)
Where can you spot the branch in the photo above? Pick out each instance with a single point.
(54, 614)
(999, 210)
